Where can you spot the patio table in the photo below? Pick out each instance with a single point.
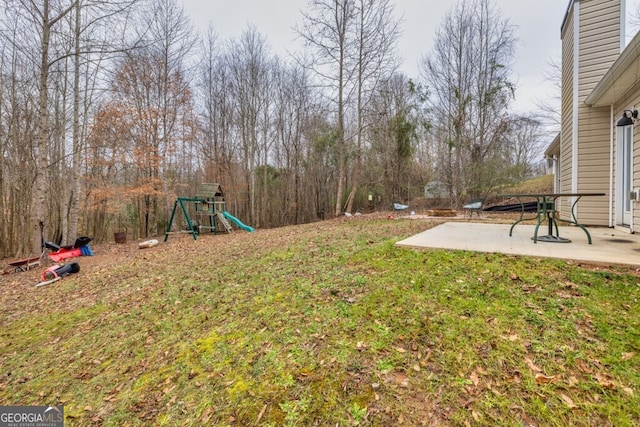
(546, 211)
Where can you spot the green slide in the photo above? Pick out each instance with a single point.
(237, 222)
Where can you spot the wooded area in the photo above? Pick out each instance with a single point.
(109, 110)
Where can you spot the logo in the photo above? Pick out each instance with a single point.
(31, 416)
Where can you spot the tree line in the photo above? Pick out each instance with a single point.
(109, 110)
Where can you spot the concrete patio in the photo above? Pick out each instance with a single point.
(610, 246)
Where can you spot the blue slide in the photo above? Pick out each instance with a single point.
(237, 222)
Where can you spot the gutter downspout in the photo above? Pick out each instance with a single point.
(611, 169)
(623, 45)
(614, 135)
(632, 206)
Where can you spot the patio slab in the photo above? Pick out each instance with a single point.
(610, 246)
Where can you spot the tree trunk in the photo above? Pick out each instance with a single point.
(39, 197)
(76, 157)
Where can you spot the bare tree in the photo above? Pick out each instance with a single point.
(468, 73)
(249, 62)
(92, 23)
(295, 108)
(18, 129)
(326, 31)
(47, 17)
(376, 35)
(258, 116)
(394, 127)
(216, 149)
(59, 41)
(151, 80)
(549, 108)
(525, 146)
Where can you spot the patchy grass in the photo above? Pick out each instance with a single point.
(540, 184)
(326, 324)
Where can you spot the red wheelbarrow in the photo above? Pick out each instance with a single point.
(25, 264)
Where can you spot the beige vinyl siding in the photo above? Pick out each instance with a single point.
(599, 45)
(599, 41)
(566, 131)
(593, 164)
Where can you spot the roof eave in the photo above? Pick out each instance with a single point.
(566, 15)
(613, 86)
(554, 148)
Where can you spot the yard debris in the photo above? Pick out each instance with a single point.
(25, 264)
(48, 282)
(147, 244)
(60, 270)
(57, 272)
(79, 248)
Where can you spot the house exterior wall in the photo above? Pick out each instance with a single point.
(566, 131)
(631, 99)
(590, 44)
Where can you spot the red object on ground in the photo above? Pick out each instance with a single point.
(65, 253)
(50, 273)
(25, 264)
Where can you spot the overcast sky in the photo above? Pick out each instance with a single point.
(537, 27)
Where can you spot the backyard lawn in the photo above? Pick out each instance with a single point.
(324, 324)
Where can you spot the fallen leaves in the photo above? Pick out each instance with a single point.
(421, 354)
(399, 378)
(261, 414)
(572, 382)
(512, 337)
(604, 381)
(475, 379)
(110, 398)
(206, 415)
(566, 399)
(545, 379)
(628, 356)
(532, 365)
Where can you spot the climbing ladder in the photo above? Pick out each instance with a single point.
(225, 223)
